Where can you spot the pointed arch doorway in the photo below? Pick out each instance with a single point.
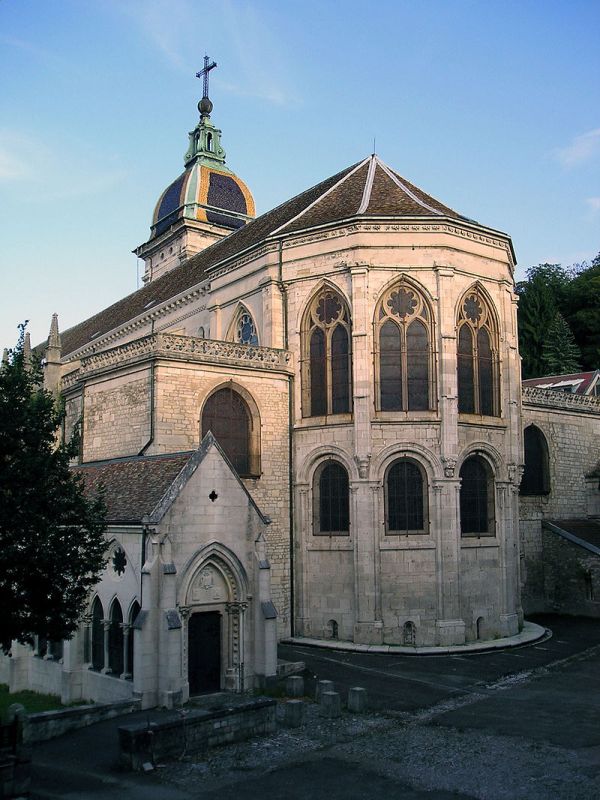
(214, 623)
(204, 652)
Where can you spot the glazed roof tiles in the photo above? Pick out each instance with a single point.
(366, 189)
(133, 487)
(577, 382)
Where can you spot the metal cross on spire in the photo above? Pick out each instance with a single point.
(204, 74)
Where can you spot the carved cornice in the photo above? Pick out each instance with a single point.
(185, 348)
(551, 398)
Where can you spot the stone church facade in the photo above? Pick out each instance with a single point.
(307, 423)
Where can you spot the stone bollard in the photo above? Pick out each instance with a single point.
(294, 686)
(357, 700)
(293, 714)
(331, 704)
(323, 686)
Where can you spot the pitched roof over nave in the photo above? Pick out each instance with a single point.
(367, 190)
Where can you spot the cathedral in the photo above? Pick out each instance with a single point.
(308, 423)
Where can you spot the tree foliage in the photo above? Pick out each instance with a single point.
(574, 293)
(51, 536)
(561, 355)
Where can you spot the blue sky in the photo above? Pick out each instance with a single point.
(492, 107)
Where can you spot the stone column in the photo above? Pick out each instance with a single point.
(303, 530)
(127, 632)
(362, 367)
(368, 628)
(446, 526)
(450, 626)
(106, 627)
(184, 614)
(507, 531)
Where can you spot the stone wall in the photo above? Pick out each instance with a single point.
(50, 724)
(194, 731)
(571, 427)
(571, 576)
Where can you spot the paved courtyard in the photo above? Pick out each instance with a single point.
(521, 723)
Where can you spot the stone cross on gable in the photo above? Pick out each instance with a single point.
(204, 74)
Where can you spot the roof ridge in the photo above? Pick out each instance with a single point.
(366, 198)
(320, 197)
(405, 189)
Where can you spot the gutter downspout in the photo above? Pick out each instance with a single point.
(151, 438)
(283, 290)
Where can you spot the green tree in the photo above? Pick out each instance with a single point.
(583, 313)
(561, 354)
(540, 296)
(51, 536)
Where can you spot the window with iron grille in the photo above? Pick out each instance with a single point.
(476, 498)
(404, 351)
(332, 500)
(406, 500)
(477, 357)
(227, 415)
(536, 475)
(327, 362)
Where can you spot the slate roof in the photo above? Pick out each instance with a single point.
(584, 532)
(576, 382)
(133, 486)
(366, 189)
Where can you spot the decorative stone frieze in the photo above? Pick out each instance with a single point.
(187, 348)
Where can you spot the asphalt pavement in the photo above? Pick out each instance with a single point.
(519, 724)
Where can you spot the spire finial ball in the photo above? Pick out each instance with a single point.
(205, 106)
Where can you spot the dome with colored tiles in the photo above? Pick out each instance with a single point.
(207, 191)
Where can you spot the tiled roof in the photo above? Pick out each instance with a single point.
(577, 382)
(133, 486)
(368, 188)
(579, 531)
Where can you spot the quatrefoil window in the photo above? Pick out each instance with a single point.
(329, 308)
(119, 561)
(473, 309)
(402, 303)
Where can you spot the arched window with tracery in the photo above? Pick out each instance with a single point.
(244, 328)
(536, 475)
(115, 639)
(331, 496)
(327, 357)
(406, 498)
(227, 415)
(97, 632)
(476, 498)
(477, 358)
(403, 338)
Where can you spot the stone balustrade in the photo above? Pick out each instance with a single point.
(181, 348)
(553, 398)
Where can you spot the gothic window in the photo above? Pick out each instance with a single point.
(245, 329)
(406, 498)
(332, 500)
(97, 635)
(327, 364)
(477, 357)
(476, 498)
(227, 415)
(135, 610)
(536, 476)
(115, 639)
(403, 339)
